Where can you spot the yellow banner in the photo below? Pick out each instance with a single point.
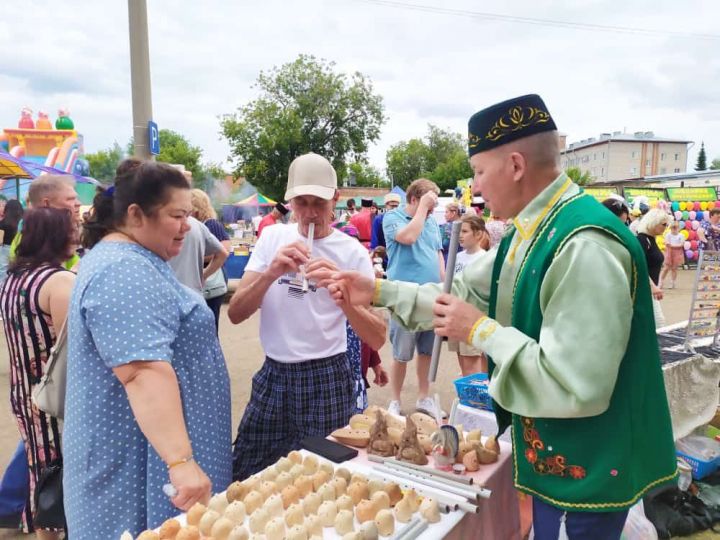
(692, 194)
(601, 193)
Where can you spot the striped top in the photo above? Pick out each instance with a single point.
(30, 335)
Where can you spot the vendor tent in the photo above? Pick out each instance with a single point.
(258, 200)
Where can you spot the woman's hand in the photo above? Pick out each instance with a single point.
(192, 485)
(657, 292)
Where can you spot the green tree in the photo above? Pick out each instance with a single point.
(177, 150)
(365, 175)
(408, 160)
(104, 162)
(579, 177)
(715, 165)
(441, 156)
(304, 106)
(701, 164)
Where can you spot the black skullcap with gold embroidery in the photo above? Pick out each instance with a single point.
(507, 122)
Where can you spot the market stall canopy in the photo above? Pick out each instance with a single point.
(257, 199)
(12, 167)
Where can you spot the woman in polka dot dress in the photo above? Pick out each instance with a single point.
(148, 394)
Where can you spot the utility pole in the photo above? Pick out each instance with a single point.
(140, 77)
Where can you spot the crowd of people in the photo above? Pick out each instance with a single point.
(148, 393)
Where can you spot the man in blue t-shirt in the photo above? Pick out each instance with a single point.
(392, 201)
(414, 251)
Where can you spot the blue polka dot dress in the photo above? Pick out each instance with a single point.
(127, 305)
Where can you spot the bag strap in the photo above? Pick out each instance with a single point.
(61, 336)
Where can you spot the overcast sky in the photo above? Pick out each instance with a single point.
(429, 67)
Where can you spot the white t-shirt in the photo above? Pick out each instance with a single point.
(296, 326)
(674, 240)
(465, 259)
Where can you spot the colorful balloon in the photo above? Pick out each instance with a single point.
(706, 213)
(693, 235)
(696, 206)
(675, 206)
(688, 224)
(703, 206)
(686, 215)
(692, 214)
(681, 224)
(687, 245)
(693, 245)
(683, 206)
(711, 205)
(695, 225)
(685, 233)
(688, 254)
(678, 215)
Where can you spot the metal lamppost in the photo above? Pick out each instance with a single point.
(140, 77)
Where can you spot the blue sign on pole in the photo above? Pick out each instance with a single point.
(153, 138)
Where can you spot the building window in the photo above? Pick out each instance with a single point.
(633, 155)
(603, 155)
(602, 171)
(647, 162)
(633, 171)
(662, 156)
(677, 170)
(647, 170)
(663, 170)
(677, 157)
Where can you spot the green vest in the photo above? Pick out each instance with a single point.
(602, 463)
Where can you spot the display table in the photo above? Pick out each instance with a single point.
(691, 380)
(499, 516)
(235, 265)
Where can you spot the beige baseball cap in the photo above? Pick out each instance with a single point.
(311, 174)
(392, 197)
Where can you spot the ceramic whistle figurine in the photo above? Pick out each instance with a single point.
(410, 448)
(380, 443)
(446, 443)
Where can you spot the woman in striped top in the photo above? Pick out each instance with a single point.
(34, 302)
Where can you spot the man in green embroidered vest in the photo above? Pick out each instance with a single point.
(561, 309)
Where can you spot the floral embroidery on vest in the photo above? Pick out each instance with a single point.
(548, 464)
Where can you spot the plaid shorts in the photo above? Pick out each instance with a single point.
(288, 403)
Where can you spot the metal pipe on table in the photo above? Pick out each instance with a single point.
(444, 499)
(468, 494)
(447, 287)
(412, 530)
(468, 480)
(416, 531)
(477, 491)
(406, 529)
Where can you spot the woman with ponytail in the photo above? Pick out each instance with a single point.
(148, 393)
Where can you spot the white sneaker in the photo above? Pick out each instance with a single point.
(394, 408)
(672, 285)
(427, 406)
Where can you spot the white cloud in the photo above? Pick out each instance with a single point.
(429, 67)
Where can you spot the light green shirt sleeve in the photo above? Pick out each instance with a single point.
(412, 304)
(571, 371)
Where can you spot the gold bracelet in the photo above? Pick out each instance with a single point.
(180, 462)
(475, 327)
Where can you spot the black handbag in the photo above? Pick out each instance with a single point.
(49, 508)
